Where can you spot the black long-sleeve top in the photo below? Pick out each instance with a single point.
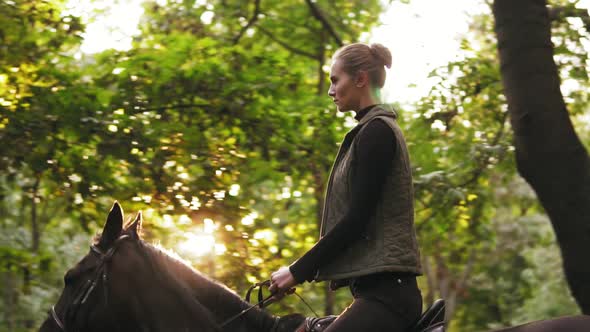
(375, 152)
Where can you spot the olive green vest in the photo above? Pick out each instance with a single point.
(389, 240)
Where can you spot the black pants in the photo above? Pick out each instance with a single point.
(382, 302)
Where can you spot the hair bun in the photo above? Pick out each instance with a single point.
(381, 53)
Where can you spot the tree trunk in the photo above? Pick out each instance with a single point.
(9, 299)
(35, 234)
(549, 155)
(429, 274)
(445, 287)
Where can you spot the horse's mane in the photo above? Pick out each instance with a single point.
(190, 285)
(175, 268)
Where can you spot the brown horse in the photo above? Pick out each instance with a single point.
(580, 323)
(125, 284)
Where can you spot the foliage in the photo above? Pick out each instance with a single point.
(216, 125)
(212, 129)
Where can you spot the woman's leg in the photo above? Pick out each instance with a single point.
(367, 315)
(381, 303)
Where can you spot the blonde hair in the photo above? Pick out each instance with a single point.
(370, 58)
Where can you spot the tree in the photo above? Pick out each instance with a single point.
(461, 145)
(549, 154)
(36, 82)
(197, 107)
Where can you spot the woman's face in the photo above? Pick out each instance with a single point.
(343, 89)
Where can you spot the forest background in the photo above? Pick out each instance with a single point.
(216, 124)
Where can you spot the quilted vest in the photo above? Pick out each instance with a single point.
(389, 240)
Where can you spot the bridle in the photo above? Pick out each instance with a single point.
(101, 274)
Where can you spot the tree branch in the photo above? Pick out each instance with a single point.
(317, 13)
(171, 107)
(251, 22)
(558, 13)
(286, 21)
(460, 284)
(285, 45)
(483, 161)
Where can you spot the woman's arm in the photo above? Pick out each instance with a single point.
(375, 153)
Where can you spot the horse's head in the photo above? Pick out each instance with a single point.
(115, 288)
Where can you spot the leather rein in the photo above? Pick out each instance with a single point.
(101, 274)
(263, 301)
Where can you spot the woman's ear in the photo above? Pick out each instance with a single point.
(361, 79)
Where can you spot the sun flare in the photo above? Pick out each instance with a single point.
(200, 245)
(197, 244)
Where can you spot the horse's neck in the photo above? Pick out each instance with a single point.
(152, 306)
(219, 300)
(161, 304)
(225, 304)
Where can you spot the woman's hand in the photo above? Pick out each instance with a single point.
(281, 282)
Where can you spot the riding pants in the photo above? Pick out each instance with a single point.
(382, 302)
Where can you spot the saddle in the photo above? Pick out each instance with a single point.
(432, 320)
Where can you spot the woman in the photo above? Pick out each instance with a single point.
(367, 239)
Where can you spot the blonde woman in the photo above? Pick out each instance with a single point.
(367, 239)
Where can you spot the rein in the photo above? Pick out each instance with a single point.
(262, 301)
(101, 274)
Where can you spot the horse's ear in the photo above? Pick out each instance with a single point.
(113, 227)
(135, 227)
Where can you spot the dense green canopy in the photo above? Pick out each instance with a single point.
(220, 130)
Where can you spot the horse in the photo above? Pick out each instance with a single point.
(146, 289)
(577, 323)
(126, 284)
